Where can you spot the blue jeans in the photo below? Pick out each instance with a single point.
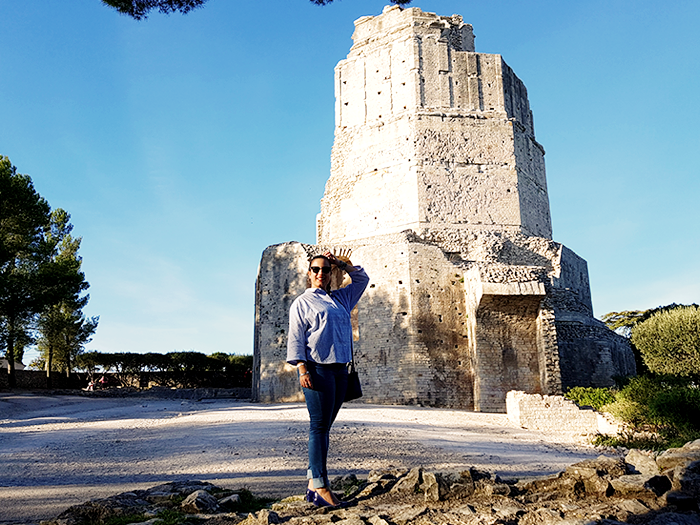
(323, 402)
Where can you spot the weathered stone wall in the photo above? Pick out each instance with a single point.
(594, 355)
(434, 329)
(439, 322)
(281, 278)
(507, 356)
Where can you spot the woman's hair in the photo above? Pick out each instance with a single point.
(319, 257)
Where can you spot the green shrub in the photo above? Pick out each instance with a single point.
(666, 406)
(123, 519)
(171, 517)
(670, 341)
(642, 442)
(587, 396)
(677, 412)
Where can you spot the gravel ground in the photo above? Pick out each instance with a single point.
(56, 451)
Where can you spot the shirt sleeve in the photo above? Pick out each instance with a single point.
(296, 340)
(350, 295)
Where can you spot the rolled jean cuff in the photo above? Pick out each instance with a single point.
(318, 483)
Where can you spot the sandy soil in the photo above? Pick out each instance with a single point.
(56, 451)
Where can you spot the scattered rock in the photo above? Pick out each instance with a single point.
(433, 487)
(675, 457)
(605, 491)
(370, 490)
(640, 486)
(230, 502)
(377, 520)
(681, 501)
(407, 515)
(509, 509)
(263, 517)
(385, 475)
(200, 501)
(630, 507)
(343, 482)
(673, 518)
(640, 463)
(686, 479)
(603, 466)
(410, 482)
(353, 520)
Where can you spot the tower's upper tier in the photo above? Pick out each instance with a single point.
(430, 135)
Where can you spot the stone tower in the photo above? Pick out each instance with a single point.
(430, 136)
(438, 186)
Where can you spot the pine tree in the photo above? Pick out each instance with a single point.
(24, 219)
(64, 329)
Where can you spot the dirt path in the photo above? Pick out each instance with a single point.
(56, 451)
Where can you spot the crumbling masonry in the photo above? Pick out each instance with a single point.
(438, 186)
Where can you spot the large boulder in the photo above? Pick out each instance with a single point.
(639, 462)
(686, 479)
(674, 457)
(200, 501)
(640, 486)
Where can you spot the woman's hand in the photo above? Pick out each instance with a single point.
(305, 377)
(340, 263)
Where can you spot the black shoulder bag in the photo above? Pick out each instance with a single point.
(354, 390)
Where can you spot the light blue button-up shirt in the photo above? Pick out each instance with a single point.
(319, 323)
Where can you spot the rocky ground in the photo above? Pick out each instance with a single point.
(58, 451)
(607, 490)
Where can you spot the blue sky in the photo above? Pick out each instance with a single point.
(182, 146)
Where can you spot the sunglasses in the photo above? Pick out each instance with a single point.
(325, 270)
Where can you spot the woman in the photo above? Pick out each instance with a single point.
(320, 345)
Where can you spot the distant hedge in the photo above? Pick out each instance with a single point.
(185, 369)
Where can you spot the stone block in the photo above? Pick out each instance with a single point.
(200, 501)
(640, 463)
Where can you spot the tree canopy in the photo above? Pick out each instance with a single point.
(395, 2)
(670, 341)
(24, 287)
(623, 322)
(140, 9)
(64, 330)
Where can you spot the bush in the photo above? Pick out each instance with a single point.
(670, 341)
(641, 442)
(667, 406)
(677, 412)
(594, 397)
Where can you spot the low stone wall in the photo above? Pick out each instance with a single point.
(555, 413)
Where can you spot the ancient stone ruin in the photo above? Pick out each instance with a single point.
(438, 187)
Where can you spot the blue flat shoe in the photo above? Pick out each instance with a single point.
(314, 497)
